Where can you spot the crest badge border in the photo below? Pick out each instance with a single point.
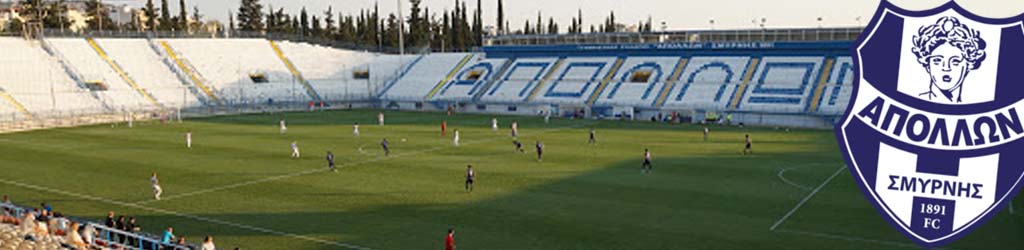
(866, 163)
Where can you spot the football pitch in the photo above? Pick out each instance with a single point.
(238, 184)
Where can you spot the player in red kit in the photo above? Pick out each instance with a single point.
(449, 242)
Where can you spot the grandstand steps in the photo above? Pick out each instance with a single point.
(494, 79)
(671, 82)
(447, 78)
(75, 75)
(402, 72)
(742, 88)
(17, 105)
(182, 77)
(295, 71)
(120, 71)
(826, 71)
(189, 70)
(604, 83)
(547, 77)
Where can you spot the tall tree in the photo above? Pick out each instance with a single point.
(315, 30)
(445, 31)
(182, 16)
(197, 19)
(231, 22)
(552, 26)
(501, 17)
(464, 30)
(99, 16)
(391, 31)
(478, 25)
(540, 25)
(329, 22)
(150, 12)
(165, 16)
(250, 16)
(271, 20)
(55, 17)
(417, 29)
(304, 22)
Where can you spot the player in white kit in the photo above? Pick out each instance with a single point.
(295, 149)
(355, 130)
(284, 128)
(380, 118)
(156, 186)
(456, 137)
(494, 124)
(188, 139)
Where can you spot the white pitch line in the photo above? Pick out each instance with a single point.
(179, 214)
(791, 183)
(798, 205)
(318, 170)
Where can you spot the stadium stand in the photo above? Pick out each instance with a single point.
(140, 61)
(771, 83)
(36, 80)
(470, 80)
(235, 69)
(94, 69)
(791, 83)
(518, 80)
(426, 77)
(639, 81)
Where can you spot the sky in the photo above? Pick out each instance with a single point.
(677, 14)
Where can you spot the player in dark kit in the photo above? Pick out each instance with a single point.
(646, 167)
(384, 144)
(469, 178)
(593, 138)
(747, 149)
(540, 151)
(330, 161)
(519, 146)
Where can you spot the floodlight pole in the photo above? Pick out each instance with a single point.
(401, 29)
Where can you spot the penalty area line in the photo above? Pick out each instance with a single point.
(804, 201)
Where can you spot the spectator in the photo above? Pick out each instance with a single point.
(131, 228)
(41, 228)
(44, 216)
(74, 239)
(7, 201)
(208, 244)
(110, 223)
(63, 224)
(119, 225)
(183, 244)
(29, 224)
(168, 236)
(89, 234)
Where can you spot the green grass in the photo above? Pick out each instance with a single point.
(702, 195)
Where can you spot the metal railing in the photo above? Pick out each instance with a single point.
(108, 238)
(751, 35)
(280, 36)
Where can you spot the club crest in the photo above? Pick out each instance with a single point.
(932, 134)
